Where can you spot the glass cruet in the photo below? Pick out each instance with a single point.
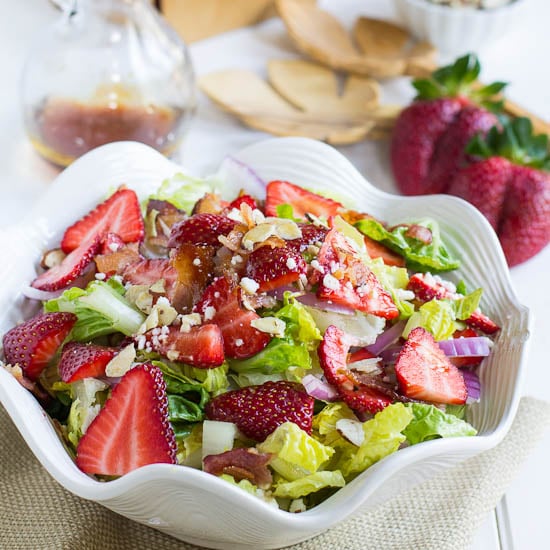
(108, 70)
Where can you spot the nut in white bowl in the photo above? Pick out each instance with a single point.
(198, 507)
(458, 30)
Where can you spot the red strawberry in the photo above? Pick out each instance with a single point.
(424, 372)
(132, 429)
(484, 185)
(259, 410)
(449, 154)
(72, 266)
(426, 288)
(302, 201)
(333, 355)
(416, 133)
(201, 346)
(80, 361)
(524, 228)
(348, 281)
(429, 136)
(311, 235)
(120, 214)
(275, 267)
(202, 229)
(220, 305)
(247, 199)
(34, 343)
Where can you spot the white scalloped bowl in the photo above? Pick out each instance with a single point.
(200, 508)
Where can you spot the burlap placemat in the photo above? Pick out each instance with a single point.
(443, 513)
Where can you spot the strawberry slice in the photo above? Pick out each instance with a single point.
(200, 347)
(120, 214)
(132, 429)
(348, 281)
(34, 343)
(72, 266)
(148, 272)
(80, 361)
(424, 372)
(302, 201)
(259, 410)
(243, 199)
(333, 355)
(201, 229)
(311, 235)
(220, 304)
(426, 288)
(275, 267)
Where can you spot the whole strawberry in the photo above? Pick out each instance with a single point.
(430, 135)
(259, 410)
(510, 184)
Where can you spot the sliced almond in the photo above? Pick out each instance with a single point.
(51, 258)
(351, 430)
(122, 362)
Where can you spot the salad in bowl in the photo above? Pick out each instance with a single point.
(279, 338)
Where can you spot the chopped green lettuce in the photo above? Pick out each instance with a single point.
(89, 395)
(190, 446)
(324, 424)
(182, 191)
(249, 487)
(429, 422)
(297, 454)
(419, 256)
(309, 484)
(101, 309)
(382, 437)
(441, 317)
(293, 350)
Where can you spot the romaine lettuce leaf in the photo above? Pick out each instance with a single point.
(249, 487)
(441, 317)
(309, 484)
(429, 422)
(418, 255)
(297, 454)
(89, 395)
(101, 309)
(324, 424)
(382, 438)
(182, 191)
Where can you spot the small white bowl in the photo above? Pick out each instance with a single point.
(198, 507)
(456, 31)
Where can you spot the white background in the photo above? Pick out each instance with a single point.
(520, 58)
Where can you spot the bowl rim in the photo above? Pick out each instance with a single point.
(470, 10)
(324, 514)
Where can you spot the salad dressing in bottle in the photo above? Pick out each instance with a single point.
(109, 70)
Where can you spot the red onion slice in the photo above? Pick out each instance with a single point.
(241, 175)
(473, 386)
(388, 337)
(319, 389)
(475, 346)
(309, 299)
(41, 295)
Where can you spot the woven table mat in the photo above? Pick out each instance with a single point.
(442, 513)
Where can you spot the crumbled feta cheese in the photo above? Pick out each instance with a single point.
(297, 505)
(236, 259)
(331, 282)
(403, 294)
(239, 342)
(235, 215)
(197, 262)
(250, 286)
(317, 266)
(291, 263)
(100, 276)
(209, 313)
(113, 246)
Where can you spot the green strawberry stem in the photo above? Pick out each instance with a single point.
(460, 80)
(515, 141)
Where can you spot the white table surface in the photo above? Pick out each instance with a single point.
(520, 58)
